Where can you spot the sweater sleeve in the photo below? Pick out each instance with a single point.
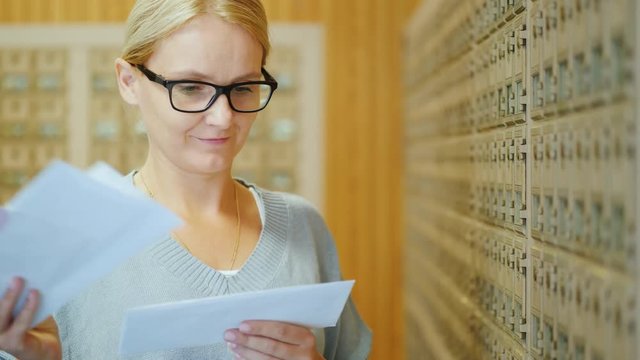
(350, 339)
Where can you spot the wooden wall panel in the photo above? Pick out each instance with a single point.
(363, 135)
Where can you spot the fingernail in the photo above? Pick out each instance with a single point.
(244, 327)
(231, 345)
(15, 282)
(229, 336)
(32, 296)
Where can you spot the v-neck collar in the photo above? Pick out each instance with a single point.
(256, 273)
(259, 269)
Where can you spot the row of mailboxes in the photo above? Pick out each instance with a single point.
(33, 113)
(579, 311)
(521, 169)
(45, 113)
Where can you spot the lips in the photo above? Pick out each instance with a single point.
(213, 140)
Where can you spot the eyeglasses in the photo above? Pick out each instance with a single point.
(191, 96)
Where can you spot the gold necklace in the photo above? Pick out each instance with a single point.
(237, 243)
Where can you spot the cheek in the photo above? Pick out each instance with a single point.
(163, 122)
(151, 100)
(244, 127)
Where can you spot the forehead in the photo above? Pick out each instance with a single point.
(211, 46)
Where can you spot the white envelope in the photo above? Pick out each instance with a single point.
(68, 228)
(202, 322)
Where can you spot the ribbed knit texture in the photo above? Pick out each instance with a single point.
(294, 248)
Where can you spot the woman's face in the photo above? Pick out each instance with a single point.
(205, 49)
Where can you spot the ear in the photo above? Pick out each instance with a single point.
(127, 80)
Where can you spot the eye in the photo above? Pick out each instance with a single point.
(245, 89)
(192, 89)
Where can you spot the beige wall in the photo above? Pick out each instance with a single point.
(364, 135)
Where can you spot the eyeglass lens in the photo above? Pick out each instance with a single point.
(196, 96)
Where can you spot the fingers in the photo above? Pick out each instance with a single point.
(8, 302)
(287, 333)
(13, 330)
(258, 348)
(22, 322)
(271, 340)
(245, 353)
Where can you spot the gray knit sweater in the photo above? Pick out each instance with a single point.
(295, 247)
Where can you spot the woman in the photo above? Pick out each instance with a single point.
(237, 236)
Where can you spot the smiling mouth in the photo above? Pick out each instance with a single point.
(219, 140)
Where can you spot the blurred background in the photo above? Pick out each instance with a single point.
(475, 160)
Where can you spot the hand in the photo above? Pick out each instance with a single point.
(16, 335)
(258, 340)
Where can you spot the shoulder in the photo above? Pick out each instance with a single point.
(299, 204)
(288, 204)
(298, 208)
(302, 218)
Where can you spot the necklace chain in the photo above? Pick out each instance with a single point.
(237, 242)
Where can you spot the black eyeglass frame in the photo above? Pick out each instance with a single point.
(220, 89)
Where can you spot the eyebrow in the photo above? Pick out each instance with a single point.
(196, 75)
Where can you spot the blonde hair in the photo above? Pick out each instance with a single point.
(151, 21)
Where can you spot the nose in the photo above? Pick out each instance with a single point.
(220, 114)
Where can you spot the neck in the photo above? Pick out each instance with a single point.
(190, 195)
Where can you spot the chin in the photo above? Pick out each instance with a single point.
(212, 167)
(207, 162)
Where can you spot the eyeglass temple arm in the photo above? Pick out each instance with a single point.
(160, 80)
(151, 75)
(268, 77)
